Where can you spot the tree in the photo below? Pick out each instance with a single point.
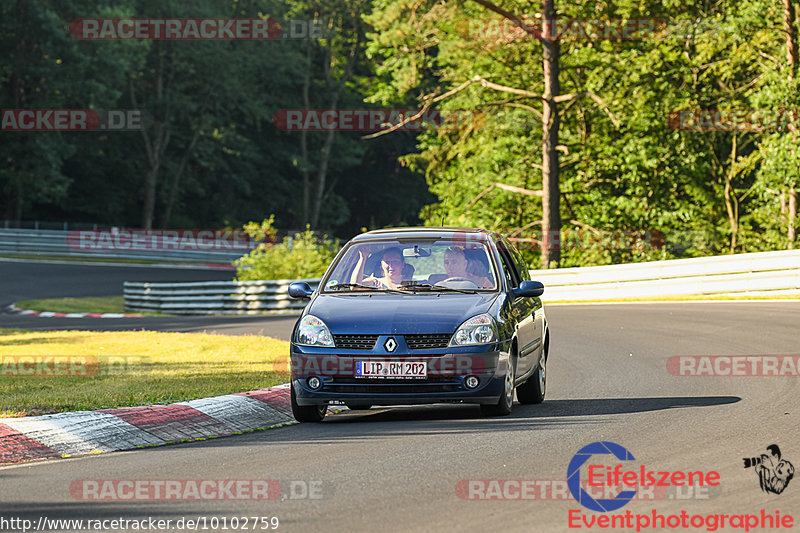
(47, 69)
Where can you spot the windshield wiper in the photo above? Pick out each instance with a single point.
(361, 286)
(436, 288)
(349, 286)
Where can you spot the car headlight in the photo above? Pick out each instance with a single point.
(477, 330)
(313, 332)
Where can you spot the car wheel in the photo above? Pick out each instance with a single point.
(307, 413)
(503, 406)
(532, 391)
(357, 407)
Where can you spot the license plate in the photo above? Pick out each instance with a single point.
(391, 369)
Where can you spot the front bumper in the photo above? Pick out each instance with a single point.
(447, 372)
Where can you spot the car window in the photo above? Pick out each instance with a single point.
(509, 269)
(519, 262)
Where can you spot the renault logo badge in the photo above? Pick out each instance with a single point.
(390, 344)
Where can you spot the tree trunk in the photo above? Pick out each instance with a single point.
(304, 142)
(791, 59)
(149, 196)
(322, 172)
(551, 216)
(791, 37)
(792, 216)
(730, 206)
(176, 178)
(335, 87)
(155, 148)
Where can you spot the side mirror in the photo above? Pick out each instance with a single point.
(300, 290)
(529, 289)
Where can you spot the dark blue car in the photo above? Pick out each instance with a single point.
(419, 316)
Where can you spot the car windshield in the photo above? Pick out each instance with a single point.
(413, 266)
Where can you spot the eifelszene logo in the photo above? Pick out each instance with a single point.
(615, 477)
(610, 470)
(773, 472)
(574, 477)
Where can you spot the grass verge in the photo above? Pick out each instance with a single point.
(54, 371)
(100, 304)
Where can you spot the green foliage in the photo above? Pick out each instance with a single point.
(708, 192)
(224, 93)
(632, 173)
(304, 255)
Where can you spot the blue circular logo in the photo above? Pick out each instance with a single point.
(574, 477)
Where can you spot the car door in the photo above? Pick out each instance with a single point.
(522, 309)
(538, 308)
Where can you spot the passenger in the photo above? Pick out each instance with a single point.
(393, 265)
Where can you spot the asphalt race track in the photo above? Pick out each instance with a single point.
(398, 469)
(30, 280)
(279, 327)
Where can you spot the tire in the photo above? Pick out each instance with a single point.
(533, 390)
(503, 405)
(356, 407)
(307, 413)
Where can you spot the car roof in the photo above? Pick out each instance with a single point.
(472, 234)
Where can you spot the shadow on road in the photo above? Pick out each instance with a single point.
(397, 422)
(548, 409)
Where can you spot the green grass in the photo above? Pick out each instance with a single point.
(119, 369)
(101, 304)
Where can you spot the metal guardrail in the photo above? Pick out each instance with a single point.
(756, 274)
(62, 243)
(767, 273)
(214, 297)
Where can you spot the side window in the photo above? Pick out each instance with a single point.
(522, 268)
(510, 271)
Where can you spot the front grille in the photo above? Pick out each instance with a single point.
(388, 386)
(393, 389)
(355, 342)
(427, 341)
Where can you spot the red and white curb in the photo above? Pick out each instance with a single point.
(126, 428)
(13, 310)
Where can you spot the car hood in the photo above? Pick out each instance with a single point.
(386, 314)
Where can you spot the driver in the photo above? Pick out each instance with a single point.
(457, 265)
